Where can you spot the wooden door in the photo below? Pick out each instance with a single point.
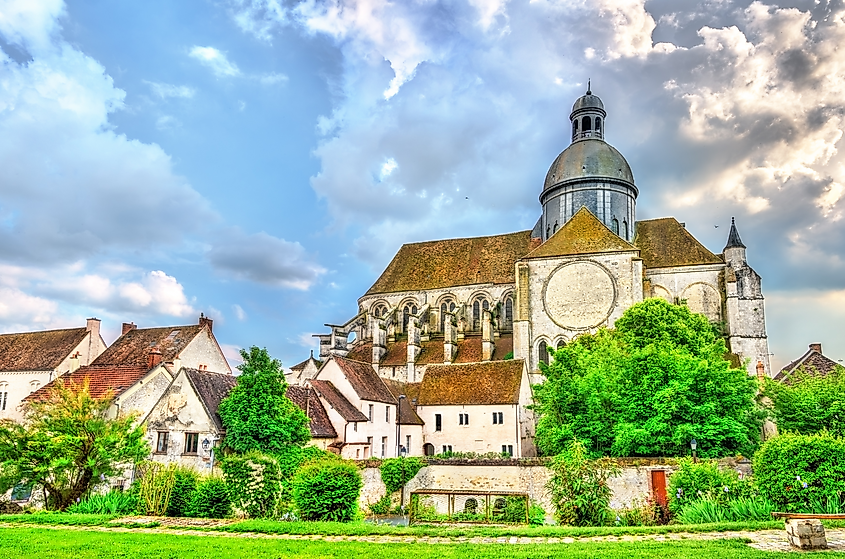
(658, 488)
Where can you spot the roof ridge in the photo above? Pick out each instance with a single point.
(521, 231)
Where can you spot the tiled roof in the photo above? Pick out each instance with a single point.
(469, 350)
(101, 379)
(362, 351)
(337, 401)
(487, 383)
(431, 352)
(365, 381)
(300, 366)
(504, 345)
(407, 409)
(38, 351)
(397, 354)
(454, 262)
(211, 388)
(307, 400)
(133, 348)
(665, 243)
(811, 363)
(583, 234)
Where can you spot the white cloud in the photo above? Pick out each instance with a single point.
(232, 353)
(31, 25)
(167, 122)
(216, 61)
(272, 78)
(240, 313)
(166, 90)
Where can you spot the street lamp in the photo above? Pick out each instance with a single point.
(208, 445)
(693, 444)
(400, 450)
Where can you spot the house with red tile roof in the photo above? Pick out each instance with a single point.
(813, 363)
(30, 360)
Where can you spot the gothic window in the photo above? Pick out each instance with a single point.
(625, 229)
(598, 124)
(543, 351)
(476, 315)
(560, 344)
(614, 225)
(508, 322)
(379, 311)
(406, 315)
(586, 125)
(446, 306)
(554, 229)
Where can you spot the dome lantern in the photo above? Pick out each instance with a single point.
(587, 117)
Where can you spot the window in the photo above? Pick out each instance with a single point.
(379, 311)
(368, 451)
(387, 414)
(4, 395)
(355, 426)
(191, 442)
(447, 448)
(33, 386)
(383, 446)
(476, 315)
(625, 229)
(446, 306)
(543, 353)
(598, 124)
(161, 443)
(408, 444)
(554, 229)
(574, 128)
(471, 506)
(508, 324)
(463, 419)
(370, 413)
(507, 449)
(586, 125)
(498, 418)
(614, 225)
(358, 453)
(407, 312)
(438, 422)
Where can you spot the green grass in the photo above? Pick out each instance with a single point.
(23, 543)
(58, 519)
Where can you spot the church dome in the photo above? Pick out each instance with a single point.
(588, 101)
(587, 158)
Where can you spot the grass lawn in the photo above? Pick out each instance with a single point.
(23, 543)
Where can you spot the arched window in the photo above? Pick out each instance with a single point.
(543, 351)
(614, 225)
(406, 316)
(598, 124)
(554, 229)
(561, 344)
(379, 311)
(575, 129)
(476, 315)
(586, 125)
(625, 230)
(471, 506)
(508, 322)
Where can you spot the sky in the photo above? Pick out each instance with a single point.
(261, 161)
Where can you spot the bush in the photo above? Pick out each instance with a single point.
(382, 506)
(184, 484)
(800, 472)
(694, 481)
(579, 487)
(155, 487)
(211, 499)
(254, 482)
(395, 472)
(327, 491)
(114, 503)
(647, 513)
(291, 459)
(709, 510)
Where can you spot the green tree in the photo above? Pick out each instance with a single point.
(68, 443)
(646, 388)
(579, 488)
(257, 414)
(809, 403)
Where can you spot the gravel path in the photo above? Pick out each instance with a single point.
(766, 540)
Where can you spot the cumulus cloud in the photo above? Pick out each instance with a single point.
(31, 25)
(216, 61)
(166, 90)
(265, 259)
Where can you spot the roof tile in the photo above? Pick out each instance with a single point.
(365, 381)
(38, 351)
(486, 383)
(308, 401)
(211, 388)
(582, 234)
(665, 243)
(337, 401)
(133, 348)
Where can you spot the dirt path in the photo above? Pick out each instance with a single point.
(766, 540)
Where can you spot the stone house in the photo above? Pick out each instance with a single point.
(301, 372)
(814, 362)
(323, 433)
(477, 407)
(30, 360)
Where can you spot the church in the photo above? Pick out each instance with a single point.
(443, 305)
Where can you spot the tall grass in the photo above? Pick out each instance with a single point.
(708, 510)
(112, 503)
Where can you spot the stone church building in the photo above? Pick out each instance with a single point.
(520, 295)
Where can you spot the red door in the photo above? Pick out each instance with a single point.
(658, 487)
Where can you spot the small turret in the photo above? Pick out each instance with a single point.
(587, 117)
(734, 251)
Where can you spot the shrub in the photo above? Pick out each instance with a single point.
(536, 514)
(211, 499)
(113, 502)
(156, 485)
(327, 491)
(291, 459)
(579, 487)
(382, 506)
(694, 481)
(709, 510)
(395, 472)
(645, 513)
(798, 472)
(254, 482)
(184, 484)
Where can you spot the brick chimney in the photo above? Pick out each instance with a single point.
(127, 327)
(761, 371)
(816, 347)
(154, 358)
(74, 362)
(205, 321)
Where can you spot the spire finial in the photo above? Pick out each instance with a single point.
(588, 87)
(733, 237)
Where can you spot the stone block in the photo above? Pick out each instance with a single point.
(806, 533)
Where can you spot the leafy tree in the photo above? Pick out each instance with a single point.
(579, 488)
(646, 388)
(809, 403)
(68, 443)
(257, 414)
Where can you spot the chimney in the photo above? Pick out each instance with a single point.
(74, 361)
(127, 327)
(205, 321)
(93, 326)
(816, 347)
(154, 358)
(761, 371)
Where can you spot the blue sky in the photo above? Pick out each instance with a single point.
(261, 161)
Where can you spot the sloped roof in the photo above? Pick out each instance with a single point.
(361, 351)
(365, 381)
(337, 401)
(469, 350)
(133, 348)
(665, 243)
(487, 383)
(397, 354)
(454, 262)
(306, 399)
(300, 366)
(812, 363)
(38, 351)
(211, 388)
(583, 234)
(101, 379)
(733, 237)
(504, 345)
(431, 352)
(407, 408)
